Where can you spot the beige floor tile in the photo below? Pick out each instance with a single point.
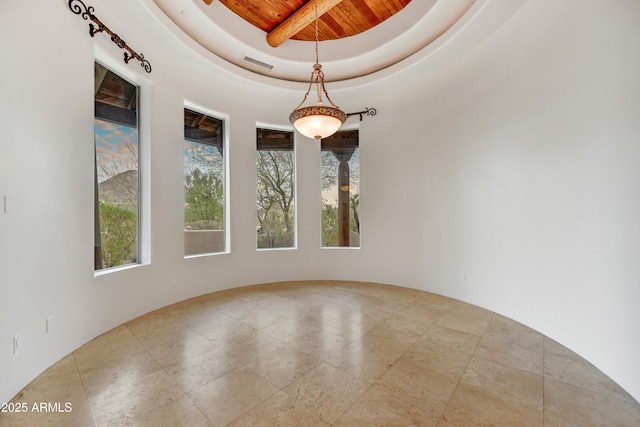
(472, 406)
(361, 363)
(79, 416)
(142, 395)
(325, 392)
(60, 386)
(183, 309)
(466, 318)
(251, 346)
(321, 352)
(427, 390)
(375, 301)
(216, 300)
(226, 333)
(159, 329)
(389, 339)
(470, 310)
(333, 291)
(237, 309)
(332, 319)
(113, 345)
(62, 380)
(186, 346)
(343, 320)
(504, 326)
(421, 314)
(312, 299)
(450, 338)
(101, 374)
(179, 412)
(345, 303)
(566, 405)
(388, 293)
(361, 321)
(231, 395)
(307, 338)
(435, 310)
(379, 407)
(150, 322)
(223, 301)
(279, 410)
(509, 383)
(286, 306)
(205, 319)
(442, 360)
(283, 365)
(288, 330)
(555, 348)
(564, 365)
(512, 351)
(322, 345)
(196, 371)
(409, 323)
(260, 319)
(433, 302)
(283, 301)
(509, 332)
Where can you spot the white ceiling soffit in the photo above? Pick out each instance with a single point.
(229, 37)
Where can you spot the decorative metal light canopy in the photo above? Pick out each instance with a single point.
(317, 121)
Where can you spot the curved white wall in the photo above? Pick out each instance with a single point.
(516, 163)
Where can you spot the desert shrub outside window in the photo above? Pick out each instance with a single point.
(204, 184)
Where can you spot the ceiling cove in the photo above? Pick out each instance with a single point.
(360, 42)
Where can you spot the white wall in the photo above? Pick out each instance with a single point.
(516, 163)
(531, 177)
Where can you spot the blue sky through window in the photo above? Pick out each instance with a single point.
(116, 148)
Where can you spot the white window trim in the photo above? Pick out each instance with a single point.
(102, 56)
(227, 182)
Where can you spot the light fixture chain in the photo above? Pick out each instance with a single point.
(317, 61)
(317, 69)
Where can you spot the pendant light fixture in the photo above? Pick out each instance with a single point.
(317, 121)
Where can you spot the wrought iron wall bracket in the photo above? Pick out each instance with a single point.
(366, 112)
(86, 12)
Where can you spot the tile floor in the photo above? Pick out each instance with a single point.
(321, 354)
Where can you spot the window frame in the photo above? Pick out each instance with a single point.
(344, 129)
(224, 118)
(291, 131)
(143, 240)
(143, 84)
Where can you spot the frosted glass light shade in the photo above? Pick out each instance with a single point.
(317, 121)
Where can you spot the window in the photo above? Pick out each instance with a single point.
(340, 177)
(204, 184)
(275, 189)
(117, 206)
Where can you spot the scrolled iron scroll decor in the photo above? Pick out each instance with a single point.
(366, 112)
(86, 12)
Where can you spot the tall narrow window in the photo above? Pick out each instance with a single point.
(204, 184)
(340, 179)
(117, 207)
(275, 190)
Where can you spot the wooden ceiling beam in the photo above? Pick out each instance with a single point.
(298, 20)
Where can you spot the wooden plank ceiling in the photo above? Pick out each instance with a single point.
(344, 18)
